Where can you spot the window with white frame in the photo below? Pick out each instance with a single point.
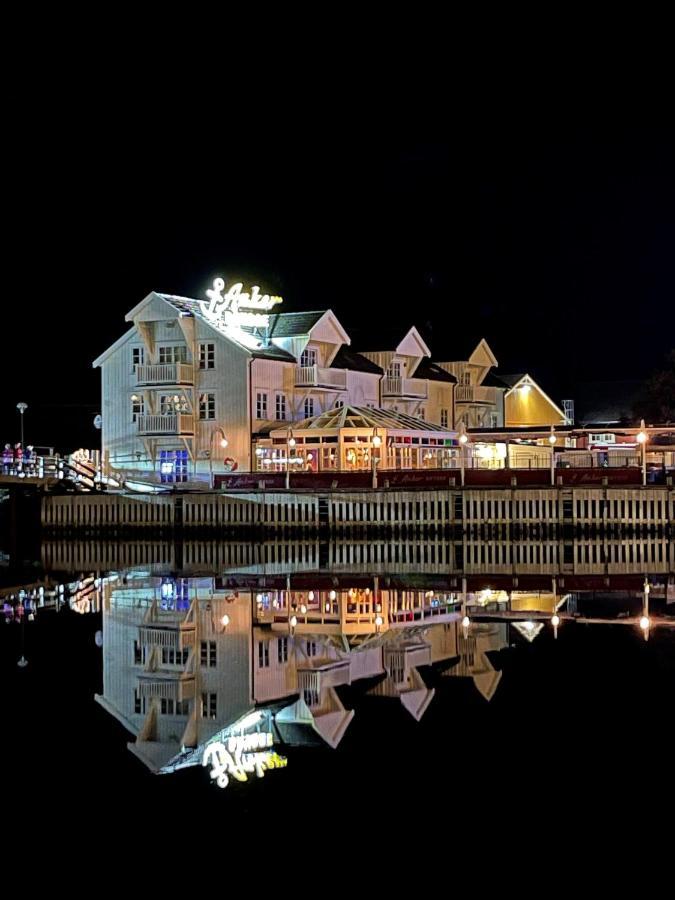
(208, 656)
(339, 404)
(207, 356)
(137, 356)
(466, 378)
(263, 654)
(444, 418)
(282, 650)
(261, 405)
(281, 407)
(311, 648)
(309, 407)
(137, 407)
(209, 706)
(308, 357)
(207, 406)
(139, 654)
(394, 370)
(173, 354)
(139, 703)
(172, 656)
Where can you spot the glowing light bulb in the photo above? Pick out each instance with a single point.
(378, 621)
(310, 596)
(555, 620)
(225, 620)
(303, 609)
(332, 595)
(466, 621)
(463, 438)
(645, 623)
(223, 442)
(294, 621)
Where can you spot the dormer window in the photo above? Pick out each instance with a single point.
(308, 357)
(466, 378)
(394, 370)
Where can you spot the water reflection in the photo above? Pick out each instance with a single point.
(215, 642)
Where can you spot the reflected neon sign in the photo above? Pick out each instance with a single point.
(240, 756)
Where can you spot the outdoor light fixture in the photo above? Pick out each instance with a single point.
(310, 596)
(555, 620)
(332, 595)
(303, 609)
(642, 438)
(466, 621)
(525, 389)
(225, 621)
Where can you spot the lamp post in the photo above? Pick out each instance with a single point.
(290, 442)
(22, 407)
(223, 444)
(642, 441)
(376, 442)
(463, 439)
(552, 439)
(645, 622)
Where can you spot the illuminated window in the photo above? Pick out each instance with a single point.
(137, 356)
(209, 706)
(282, 650)
(137, 408)
(281, 407)
(263, 654)
(309, 407)
(444, 418)
(261, 406)
(207, 356)
(173, 466)
(208, 654)
(207, 406)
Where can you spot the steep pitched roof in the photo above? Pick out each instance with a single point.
(348, 359)
(366, 417)
(292, 324)
(433, 372)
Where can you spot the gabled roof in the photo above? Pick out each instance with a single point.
(355, 362)
(463, 349)
(294, 324)
(389, 339)
(365, 417)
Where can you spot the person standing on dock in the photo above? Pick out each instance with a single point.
(18, 458)
(7, 459)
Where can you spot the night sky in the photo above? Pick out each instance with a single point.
(555, 243)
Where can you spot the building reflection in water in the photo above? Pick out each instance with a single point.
(274, 639)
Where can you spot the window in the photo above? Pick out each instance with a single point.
(207, 356)
(261, 406)
(370, 405)
(137, 356)
(168, 355)
(209, 706)
(466, 378)
(309, 407)
(139, 703)
(173, 466)
(137, 407)
(282, 650)
(311, 648)
(281, 407)
(172, 403)
(173, 657)
(208, 654)
(421, 414)
(339, 404)
(394, 370)
(263, 654)
(207, 406)
(139, 654)
(444, 418)
(308, 357)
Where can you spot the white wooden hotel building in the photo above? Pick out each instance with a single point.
(194, 389)
(186, 394)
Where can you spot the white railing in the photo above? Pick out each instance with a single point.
(169, 373)
(475, 393)
(167, 688)
(404, 387)
(173, 638)
(316, 376)
(175, 423)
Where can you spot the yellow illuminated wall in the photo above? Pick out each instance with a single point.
(530, 408)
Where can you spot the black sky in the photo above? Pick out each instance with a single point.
(554, 240)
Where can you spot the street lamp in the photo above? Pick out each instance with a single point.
(376, 443)
(642, 441)
(552, 439)
(645, 621)
(463, 439)
(22, 407)
(223, 444)
(290, 442)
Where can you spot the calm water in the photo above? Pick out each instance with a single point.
(412, 679)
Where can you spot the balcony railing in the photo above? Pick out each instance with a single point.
(475, 393)
(168, 688)
(415, 388)
(174, 423)
(316, 376)
(171, 638)
(169, 373)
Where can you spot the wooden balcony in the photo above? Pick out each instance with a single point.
(173, 423)
(476, 393)
(410, 388)
(169, 374)
(174, 638)
(318, 377)
(167, 686)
